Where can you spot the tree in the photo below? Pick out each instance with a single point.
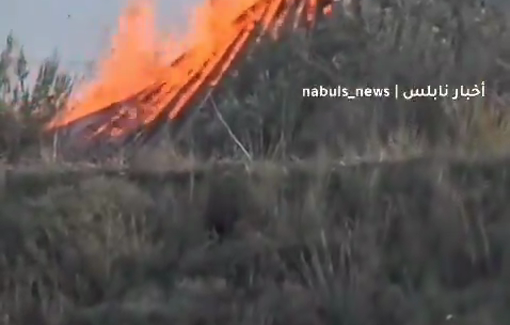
(24, 109)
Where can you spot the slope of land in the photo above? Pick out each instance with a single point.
(271, 208)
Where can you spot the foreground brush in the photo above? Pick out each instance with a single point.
(178, 86)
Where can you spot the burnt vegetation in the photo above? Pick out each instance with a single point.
(271, 208)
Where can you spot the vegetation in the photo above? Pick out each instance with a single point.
(271, 208)
(23, 110)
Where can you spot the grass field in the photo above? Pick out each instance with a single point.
(402, 242)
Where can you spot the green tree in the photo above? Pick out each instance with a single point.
(24, 108)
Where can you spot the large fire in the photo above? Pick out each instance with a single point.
(147, 80)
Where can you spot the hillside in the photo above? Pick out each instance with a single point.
(272, 208)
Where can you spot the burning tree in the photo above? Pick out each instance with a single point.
(136, 91)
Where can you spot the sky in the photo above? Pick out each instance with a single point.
(78, 29)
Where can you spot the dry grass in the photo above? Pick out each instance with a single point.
(407, 242)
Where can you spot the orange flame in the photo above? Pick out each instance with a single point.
(142, 82)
